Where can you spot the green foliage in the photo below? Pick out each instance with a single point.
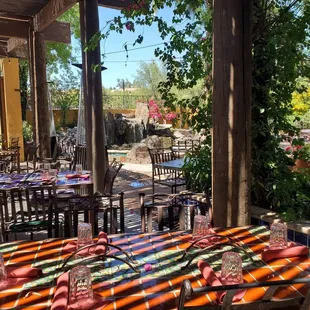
(23, 77)
(27, 131)
(280, 56)
(64, 97)
(148, 77)
(279, 46)
(197, 168)
(289, 193)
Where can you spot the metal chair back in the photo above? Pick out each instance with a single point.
(20, 215)
(80, 157)
(110, 176)
(31, 156)
(266, 302)
(181, 147)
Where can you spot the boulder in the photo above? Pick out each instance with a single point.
(110, 128)
(142, 113)
(139, 153)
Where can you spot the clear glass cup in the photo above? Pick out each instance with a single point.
(52, 174)
(46, 166)
(85, 235)
(201, 226)
(80, 284)
(278, 236)
(45, 175)
(3, 274)
(78, 168)
(231, 272)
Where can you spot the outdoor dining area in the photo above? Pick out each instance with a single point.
(64, 241)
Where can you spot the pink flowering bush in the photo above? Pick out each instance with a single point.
(158, 113)
(298, 150)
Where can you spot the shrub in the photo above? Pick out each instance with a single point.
(27, 131)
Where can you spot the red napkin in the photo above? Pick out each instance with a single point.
(208, 241)
(19, 276)
(100, 248)
(76, 176)
(291, 251)
(60, 301)
(212, 279)
(61, 297)
(19, 272)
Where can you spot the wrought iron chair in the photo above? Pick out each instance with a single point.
(66, 204)
(20, 215)
(164, 176)
(79, 157)
(31, 157)
(181, 147)
(15, 156)
(267, 302)
(183, 200)
(109, 204)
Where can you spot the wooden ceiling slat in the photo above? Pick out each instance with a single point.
(22, 7)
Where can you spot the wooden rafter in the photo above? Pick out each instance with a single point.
(50, 12)
(14, 43)
(114, 4)
(17, 31)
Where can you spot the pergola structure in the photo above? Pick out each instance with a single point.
(231, 94)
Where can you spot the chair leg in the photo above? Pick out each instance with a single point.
(170, 217)
(105, 220)
(114, 221)
(149, 219)
(121, 212)
(160, 216)
(192, 215)
(182, 217)
(142, 211)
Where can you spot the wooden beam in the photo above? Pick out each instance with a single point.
(14, 43)
(231, 112)
(40, 95)
(56, 32)
(13, 28)
(3, 52)
(20, 52)
(93, 89)
(114, 4)
(50, 12)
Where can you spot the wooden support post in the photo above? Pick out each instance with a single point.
(40, 96)
(231, 113)
(86, 97)
(32, 85)
(93, 89)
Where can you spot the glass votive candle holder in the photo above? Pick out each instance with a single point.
(52, 174)
(231, 271)
(85, 236)
(45, 175)
(78, 168)
(80, 284)
(201, 226)
(3, 274)
(278, 236)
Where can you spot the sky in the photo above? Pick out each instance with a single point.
(116, 63)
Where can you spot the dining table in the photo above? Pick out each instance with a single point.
(161, 264)
(176, 164)
(63, 179)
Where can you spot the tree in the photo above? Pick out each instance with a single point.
(122, 84)
(149, 76)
